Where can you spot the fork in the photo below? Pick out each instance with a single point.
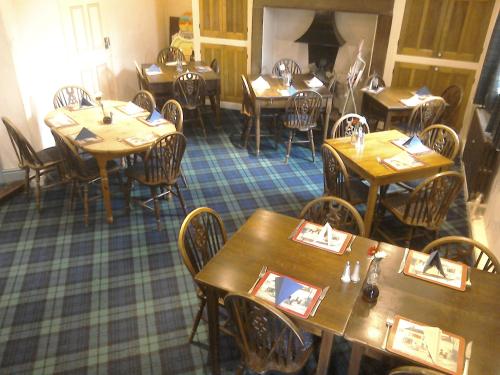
(388, 323)
(320, 299)
(349, 248)
(262, 272)
(468, 283)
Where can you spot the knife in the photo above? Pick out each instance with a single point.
(468, 350)
(321, 298)
(403, 261)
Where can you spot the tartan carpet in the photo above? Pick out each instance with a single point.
(117, 299)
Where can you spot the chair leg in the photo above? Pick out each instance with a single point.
(128, 190)
(27, 182)
(37, 190)
(240, 370)
(197, 320)
(248, 129)
(86, 204)
(311, 142)
(200, 119)
(179, 194)
(410, 236)
(277, 132)
(184, 179)
(156, 206)
(289, 146)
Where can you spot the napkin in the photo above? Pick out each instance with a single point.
(423, 91)
(260, 84)
(85, 103)
(85, 134)
(284, 288)
(154, 116)
(153, 69)
(434, 260)
(314, 83)
(326, 233)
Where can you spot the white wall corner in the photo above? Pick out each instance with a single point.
(392, 48)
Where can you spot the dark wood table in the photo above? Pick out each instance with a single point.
(272, 98)
(366, 165)
(473, 314)
(263, 240)
(162, 85)
(386, 104)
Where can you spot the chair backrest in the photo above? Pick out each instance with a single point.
(215, 66)
(414, 370)
(169, 54)
(69, 95)
(453, 96)
(302, 110)
(73, 163)
(336, 180)
(189, 89)
(465, 250)
(247, 104)
(332, 83)
(345, 126)
(201, 236)
(290, 66)
(145, 100)
(442, 139)
(428, 204)
(172, 111)
(26, 155)
(162, 162)
(339, 213)
(141, 80)
(425, 114)
(268, 340)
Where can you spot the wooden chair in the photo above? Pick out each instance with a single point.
(465, 250)
(145, 100)
(425, 207)
(190, 89)
(142, 82)
(453, 96)
(160, 169)
(169, 54)
(248, 112)
(336, 179)
(215, 66)
(201, 236)
(339, 213)
(290, 66)
(345, 126)
(82, 172)
(332, 84)
(267, 339)
(301, 114)
(414, 370)
(442, 139)
(425, 114)
(212, 93)
(69, 95)
(40, 162)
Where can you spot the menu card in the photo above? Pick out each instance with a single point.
(61, 120)
(314, 83)
(140, 140)
(412, 145)
(455, 272)
(323, 237)
(402, 161)
(288, 294)
(132, 109)
(288, 92)
(260, 84)
(428, 345)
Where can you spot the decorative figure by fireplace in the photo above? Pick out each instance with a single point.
(353, 77)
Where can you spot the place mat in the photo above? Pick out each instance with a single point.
(203, 69)
(61, 120)
(428, 345)
(402, 161)
(323, 237)
(456, 273)
(413, 145)
(132, 109)
(288, 294)
(140, 140)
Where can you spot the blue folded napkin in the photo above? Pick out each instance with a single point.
(85, 134)
(424, 90)
(155, 115)
(85, 103)
(434, 260)
(292, 90)
(284, 288)
(413, 141)
(154, 69)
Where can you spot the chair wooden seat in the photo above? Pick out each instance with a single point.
(138, 173)
(49, 156)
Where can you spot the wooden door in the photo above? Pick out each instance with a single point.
(223, 19)
(411, 75)
(421, 28)
(233, 63)
(211, 18)
(464, 29)
(89, 57)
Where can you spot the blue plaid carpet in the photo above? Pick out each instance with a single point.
(116, 299)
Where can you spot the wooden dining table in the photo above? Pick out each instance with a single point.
(472, 314)
(264, 241)
(274, 99)
(112, 144)
(366, 163)
(162, 84)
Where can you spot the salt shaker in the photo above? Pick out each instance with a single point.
(355, 273)
(346, 275)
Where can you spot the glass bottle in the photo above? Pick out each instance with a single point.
(370, 290)
(355, 132)
(179, 65)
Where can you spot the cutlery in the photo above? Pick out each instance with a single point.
(262, 272)
(403, 261)
(321, 298)
(468, 284)
(388, 323)
(350, 243)
(468, 350)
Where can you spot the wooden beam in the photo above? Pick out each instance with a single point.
(358, 6)
(380, 44)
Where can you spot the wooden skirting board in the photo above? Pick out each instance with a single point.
(10, 189)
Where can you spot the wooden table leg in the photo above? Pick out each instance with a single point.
(370, 207)
(388, 120)
(257, 127)
(327, 117)
(217, 108)
(355, 361)
(325, 351)
(213, 329)
(101, 162)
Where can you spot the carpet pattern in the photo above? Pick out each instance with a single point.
(117, 299)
